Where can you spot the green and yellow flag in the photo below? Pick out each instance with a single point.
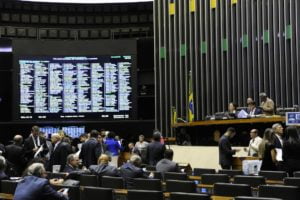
(191, 99)
(174, 116)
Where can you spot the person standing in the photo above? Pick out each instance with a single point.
(266, 104)
(267, 152)
(141, 146)
(291, 151)
(113, 147)
(15, 155)
(225, 150)
(33, 143)
(88, 152)
(155, 150)
(61, 150)
(254, 143)
(278, 143)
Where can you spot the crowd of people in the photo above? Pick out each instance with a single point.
(97, 154)
(278, 149)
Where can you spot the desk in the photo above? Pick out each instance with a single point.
(277, 119)
(203, 133)
(238, 162)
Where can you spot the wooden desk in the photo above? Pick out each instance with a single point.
(6, 196)
(213, 197)
(275, 119)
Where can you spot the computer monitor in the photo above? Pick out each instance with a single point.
(292, 118)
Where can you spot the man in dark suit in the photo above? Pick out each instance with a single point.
(35, 187)
(155, 150)
(60, 152)
(89, 150)
(33, 143)
(72, 163)
(131, 170)
(101, 147)
(278, 143)
(167, 164)
(15, 155)
(103, 168)
(252, 110)
(225, 150)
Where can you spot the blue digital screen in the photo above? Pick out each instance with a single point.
(292, 118)
(72, 131)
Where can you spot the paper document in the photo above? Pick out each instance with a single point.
(38, 151)
(278, 154)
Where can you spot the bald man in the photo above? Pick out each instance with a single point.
(61, 150)
(103, 168)
(15, 155)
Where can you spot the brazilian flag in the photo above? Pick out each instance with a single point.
(191, 100)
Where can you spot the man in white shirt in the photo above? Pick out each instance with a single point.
(254, 143)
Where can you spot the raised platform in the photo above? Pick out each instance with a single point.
(273, 119)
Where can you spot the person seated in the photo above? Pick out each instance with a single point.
(232, 112)
(103, 168)
(72, 163)
(35, 186)
(131, 170)
(252, 110)
(266, 104)
(166, 164)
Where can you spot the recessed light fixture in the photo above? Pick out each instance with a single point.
(88, 1)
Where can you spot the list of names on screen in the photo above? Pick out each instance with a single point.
(75, 87)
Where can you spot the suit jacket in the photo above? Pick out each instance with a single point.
(89, 153)
(166, 165)
(277, 143)
(15, 155)
(225, 151)
(128, 171)
(100, 149)
(155, 152)
(29, 145)
(257, 111)
(59, 156)
(69, 168)
(104, 170)
(35, 188)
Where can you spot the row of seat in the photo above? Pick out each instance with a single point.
(221, 191)
(64, 33)
(75, 8)
(125, 18)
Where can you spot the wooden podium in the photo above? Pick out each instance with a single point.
(238, 161)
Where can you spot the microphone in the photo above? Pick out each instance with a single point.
(181, 120)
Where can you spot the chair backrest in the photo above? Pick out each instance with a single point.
(279, 191)
(294, 181)
(297, 174)
(188, 196)
(273, 175)
(144, 195)
(200, 171)
(146, 184)
(230, 172)
(210, 179)
(254, 198)
(253, 181)
(112, 182)
(8, 186)
(94, 193)
(89, 180)
(150, 168)
(232, 190)
(73, 193)
(180, 186)
(175, 176)
(51, 175)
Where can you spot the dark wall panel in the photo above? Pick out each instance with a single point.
(234, 48)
